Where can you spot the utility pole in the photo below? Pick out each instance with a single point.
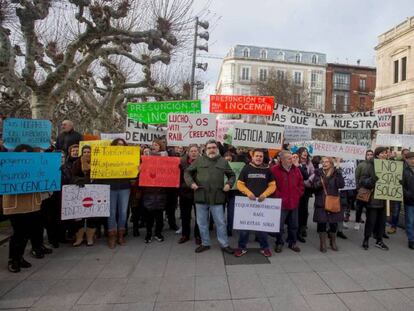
(205, 35)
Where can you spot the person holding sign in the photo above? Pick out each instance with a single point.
(206, 177)
(408, 191)
(257, 183)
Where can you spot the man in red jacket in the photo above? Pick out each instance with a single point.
(289, 188)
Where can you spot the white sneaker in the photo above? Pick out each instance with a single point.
(346, 225)
(179, 231)
(357, 226)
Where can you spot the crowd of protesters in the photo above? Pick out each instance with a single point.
(208, 187)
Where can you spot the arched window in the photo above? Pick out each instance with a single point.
(314, 59)
(246, 52)
(263, 54)
(281, 56)
(298, 58)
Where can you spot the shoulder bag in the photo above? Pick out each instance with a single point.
(332, 202)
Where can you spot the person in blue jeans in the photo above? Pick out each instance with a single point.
(256, 181)
(408, 192)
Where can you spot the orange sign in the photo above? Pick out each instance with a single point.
(234, 104)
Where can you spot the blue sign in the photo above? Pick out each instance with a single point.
(35, 133)
(28, 172)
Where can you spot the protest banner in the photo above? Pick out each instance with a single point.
(348, 172)
(93, 144)
(296, 133)
(257, 216)
(389, 175)
(35, 133)
(186, 129)
(257, 136)
(160, 172)
(28, 172)
(223, 127)
(85, 202)
(294, 146)
(140, 133)
(113, 136)
(110, 162)
(343, 151)
(237, 104)
(395, 140)
(283, 115)
(236, 167)
(361, 138)
(157, 112)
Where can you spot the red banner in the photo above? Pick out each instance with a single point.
(235, 104)
(160, 172)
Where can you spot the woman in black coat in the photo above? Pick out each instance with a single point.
(330, 178)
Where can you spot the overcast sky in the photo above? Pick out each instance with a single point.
(345, 30)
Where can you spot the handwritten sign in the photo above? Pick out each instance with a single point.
(296, 133)
(112, 136)
(361, 138)
(395, 140)
(388, 186)
(160, 172)
(157, 112)
(35, 133)
(257, 216)
(236, 167)
(85, 202)
(140, 133)
(114, 162)
(343, 151)
(257, 136)
(348, 172)
(186, 129)
(237, 104)
(223, 127)
(93, 144)
(294, 146)
(28, 172)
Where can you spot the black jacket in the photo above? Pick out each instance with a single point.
(408, 185)
(65, 140)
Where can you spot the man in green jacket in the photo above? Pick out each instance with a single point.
(206, 177)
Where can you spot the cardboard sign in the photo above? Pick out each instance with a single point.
(29, 172)
(223, 127)
(236, 104)
(160, 172)
(85, 202)
(113, 136)
(348, 172)
(388, 186)
(140, 133)
(283, 115)
(361, 138)
(35, 133)
(157, 112)
(395, 140)
(236, 167)
(257, 136)
(296, 133)
(186, 129)
(257, 216)
(111, 162)
(87, 136)
(93, 144)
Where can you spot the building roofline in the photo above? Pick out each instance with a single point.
(273, 48)
(351, 66)
(261, 60)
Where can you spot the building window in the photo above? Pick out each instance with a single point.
(246, 52)
(340, 102)
(263, 75)
(400, 124)
(245, 73)
(314, 59)
(316, 100)
(393, 125)
(314, 79)
(341, 81)
(403, 68)
(263, 54)
(396, 73)
(362, 83)
(297, 77)
(298, 58)
(281, 56)
(280, 74)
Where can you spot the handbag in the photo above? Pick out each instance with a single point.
(364, 195)
(332, 202)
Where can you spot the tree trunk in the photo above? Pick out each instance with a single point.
(41, 107)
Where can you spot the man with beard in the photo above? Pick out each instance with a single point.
(206, 177)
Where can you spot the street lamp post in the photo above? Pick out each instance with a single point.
(205, 35)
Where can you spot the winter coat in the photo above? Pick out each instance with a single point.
(332, 184)
(154, 198)
(185, 190)
(289, 186)
(65, 140)
(368, 180)
(79, 177)
(208, 174)
(308, 173)
(358, 172)
(408, 185)
(21, 203)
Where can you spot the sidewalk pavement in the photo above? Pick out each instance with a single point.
(171, 277)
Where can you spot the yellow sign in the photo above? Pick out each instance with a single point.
(111, 162)
(93, 143)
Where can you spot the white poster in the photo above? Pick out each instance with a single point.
(112, 136)
(348, 172)
(257, 216)
(223, 127)
(257, 136)
(343, 151)
(296, 133)
(395, 140)
(361, 138)
(187, 129)
(140, 133)
(84, 202)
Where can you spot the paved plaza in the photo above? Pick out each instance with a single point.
(171, 277)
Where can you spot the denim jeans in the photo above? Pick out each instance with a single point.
(119, 207)
(203, 222)
(290, 216)
(395, 214)
(261, 236)
(409, 222)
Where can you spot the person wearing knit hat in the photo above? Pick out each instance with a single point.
(408, 192)
(376, 216)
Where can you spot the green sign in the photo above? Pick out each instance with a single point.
(157, 112)
(389, 175)
(236, 167)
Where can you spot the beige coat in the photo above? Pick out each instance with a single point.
(22, 203)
